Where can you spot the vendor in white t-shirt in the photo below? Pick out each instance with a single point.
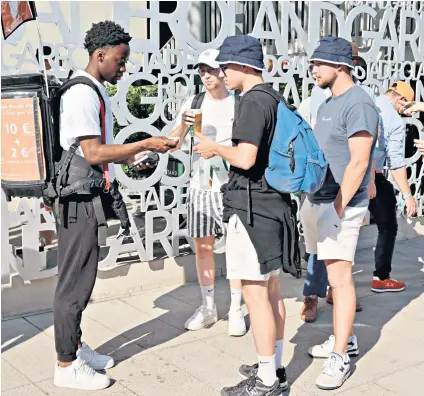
(78, 226)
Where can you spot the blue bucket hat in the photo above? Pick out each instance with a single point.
(242, 50)
(335, 50)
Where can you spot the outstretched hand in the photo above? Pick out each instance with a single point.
(205, 147)
(161, 144)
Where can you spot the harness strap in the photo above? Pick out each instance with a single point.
(62, 171)
(106, 173)
(101, 220)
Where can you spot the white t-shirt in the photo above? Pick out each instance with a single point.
(79, 115)
(217, 124)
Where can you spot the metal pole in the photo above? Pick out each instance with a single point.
(41, 56)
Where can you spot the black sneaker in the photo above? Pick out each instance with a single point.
(253, 386)
(247, 371)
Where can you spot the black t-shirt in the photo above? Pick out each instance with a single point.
(255, 124)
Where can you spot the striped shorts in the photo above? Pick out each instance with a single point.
(204, 213)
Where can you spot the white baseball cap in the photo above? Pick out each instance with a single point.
(208, 58)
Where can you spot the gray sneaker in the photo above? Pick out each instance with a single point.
(336, 371)
(323, 351)
(253, 386)
(246, 371)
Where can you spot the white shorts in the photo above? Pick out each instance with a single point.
(242, 260)
(329, 236)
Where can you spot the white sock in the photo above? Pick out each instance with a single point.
(235, 299)
(208, 295)
(279, 353)
(267, 370)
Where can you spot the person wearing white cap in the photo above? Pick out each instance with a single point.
(205, 198)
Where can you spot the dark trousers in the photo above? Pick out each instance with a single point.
(77, 257)
(383, 210)
(316, 280)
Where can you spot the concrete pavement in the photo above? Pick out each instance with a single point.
(156, 357)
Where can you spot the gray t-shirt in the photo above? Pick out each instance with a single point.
(338, 119)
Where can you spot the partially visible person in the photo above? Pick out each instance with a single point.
(403, 108)
(257, 215)
(346, 131)
(383, 207)
(204, 202)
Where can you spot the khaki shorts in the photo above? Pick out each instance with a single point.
(242, 260)
(329, 236)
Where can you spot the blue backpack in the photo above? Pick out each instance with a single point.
(296, 163)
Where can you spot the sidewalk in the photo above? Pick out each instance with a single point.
(156, 357)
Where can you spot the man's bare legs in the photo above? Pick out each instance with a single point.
(344, 297)
(255, 294)
(279, 311)
(205, 265)
(267, 318)
(277, 303)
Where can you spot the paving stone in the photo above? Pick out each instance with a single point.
(409, 381)
(10, 377)
(167, 309)
(43, 322)
(201, 360)
(116, 389)
(151, 375)
(28, 349)
(15, 331)
(371, 389)
(26, 390)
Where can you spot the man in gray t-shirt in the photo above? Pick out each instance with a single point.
(346, 130)
(340, 118)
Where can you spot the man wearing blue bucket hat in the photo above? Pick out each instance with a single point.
(259, 218)
(346, 130)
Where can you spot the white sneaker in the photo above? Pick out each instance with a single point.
(201, 318)
(324, 350)
(236, 323)
(336, 371)
(94, 359)
(79, 375)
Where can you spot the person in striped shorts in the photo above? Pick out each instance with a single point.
(205, 199)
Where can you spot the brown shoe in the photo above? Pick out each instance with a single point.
(308, 313)
(329, 300)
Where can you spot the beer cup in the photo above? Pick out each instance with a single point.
(197, 126)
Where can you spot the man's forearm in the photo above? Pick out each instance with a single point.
(119, 153)
(353, 176)
(232, 155)
(180, 131)
(401, 179)
(372, 174)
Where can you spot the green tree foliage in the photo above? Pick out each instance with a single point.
(138, 110)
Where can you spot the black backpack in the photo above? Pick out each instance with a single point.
(18, 180)
(198, 100)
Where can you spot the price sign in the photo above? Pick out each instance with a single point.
(20, 130)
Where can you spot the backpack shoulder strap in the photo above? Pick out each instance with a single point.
(198, 100)
(236, 104)
(276, 95)
(272, 92)
(80, 80)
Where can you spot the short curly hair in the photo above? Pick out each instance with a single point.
(105, 34)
